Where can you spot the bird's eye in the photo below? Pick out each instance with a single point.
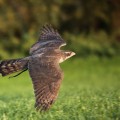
(68, 53)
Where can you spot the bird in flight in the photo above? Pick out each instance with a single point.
(43, 66)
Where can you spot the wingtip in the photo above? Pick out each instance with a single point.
(48, 28)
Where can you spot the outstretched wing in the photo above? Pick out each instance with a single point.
(49, 37)
(46, 78)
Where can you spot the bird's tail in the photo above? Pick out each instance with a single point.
(14, 65)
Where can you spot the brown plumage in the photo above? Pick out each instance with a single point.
(43, 66)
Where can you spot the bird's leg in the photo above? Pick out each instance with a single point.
(18, 74)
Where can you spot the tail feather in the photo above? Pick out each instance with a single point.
(10, 66)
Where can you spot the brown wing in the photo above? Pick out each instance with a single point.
(46, 78)
(49, 37)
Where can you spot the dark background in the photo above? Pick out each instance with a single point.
(90, 27)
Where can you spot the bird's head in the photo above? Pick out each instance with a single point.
(66, 55)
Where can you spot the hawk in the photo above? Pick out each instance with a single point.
(43, 66)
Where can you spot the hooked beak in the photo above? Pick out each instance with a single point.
(73, 53)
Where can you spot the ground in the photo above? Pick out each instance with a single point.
(90, 91)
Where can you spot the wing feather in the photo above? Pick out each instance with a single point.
(46, 82)
(49, 37)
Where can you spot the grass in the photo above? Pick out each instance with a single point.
(90, 91)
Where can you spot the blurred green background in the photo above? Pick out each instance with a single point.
(90, 27)
(91, 86)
